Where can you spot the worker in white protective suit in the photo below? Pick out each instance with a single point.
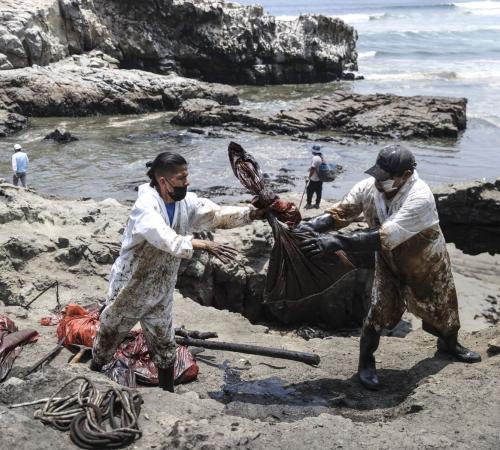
(412, 266)
(156, 239)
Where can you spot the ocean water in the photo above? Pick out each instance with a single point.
(405, 47)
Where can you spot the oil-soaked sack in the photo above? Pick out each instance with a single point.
(291, 276)
(247, 170)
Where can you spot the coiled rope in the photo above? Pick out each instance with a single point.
(86, 412)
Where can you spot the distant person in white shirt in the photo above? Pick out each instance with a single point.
(315, 185)
(20, 163)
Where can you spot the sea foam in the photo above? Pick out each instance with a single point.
(488, 8)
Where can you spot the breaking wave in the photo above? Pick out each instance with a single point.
(436, 75)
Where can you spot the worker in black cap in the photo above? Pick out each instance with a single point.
(412, 269)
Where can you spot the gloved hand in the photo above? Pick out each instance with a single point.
(357, 241)
(321, 246)
(321, 223)
(304, 227)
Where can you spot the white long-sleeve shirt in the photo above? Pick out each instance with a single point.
(20, 162)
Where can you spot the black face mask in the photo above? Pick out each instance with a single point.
(178, 193)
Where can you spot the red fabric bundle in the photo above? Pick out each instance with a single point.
(133, 351)
(80, 326)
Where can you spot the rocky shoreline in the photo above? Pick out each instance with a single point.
(80, 58)
(92, 57)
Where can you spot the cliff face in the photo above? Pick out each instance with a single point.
(45, 31)
(207, 39)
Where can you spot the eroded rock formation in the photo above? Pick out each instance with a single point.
(49, 239)
(81, 86)
(208, 39)
(379, 115)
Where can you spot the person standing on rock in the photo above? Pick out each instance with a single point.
(314, 184)
(20, 164)
(412, 268)
(156, 239)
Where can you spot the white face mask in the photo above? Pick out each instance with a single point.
(387, 186)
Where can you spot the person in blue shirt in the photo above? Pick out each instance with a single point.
(20, 164)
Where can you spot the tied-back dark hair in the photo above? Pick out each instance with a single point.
(164, 163)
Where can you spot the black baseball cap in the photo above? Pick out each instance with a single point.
(392, 160)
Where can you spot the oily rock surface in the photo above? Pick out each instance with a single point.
(377, 115)
(426, 399)
(91, 84)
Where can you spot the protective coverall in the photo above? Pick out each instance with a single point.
(413, 268)
(143, 277)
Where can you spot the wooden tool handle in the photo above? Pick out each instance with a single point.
(76, 359)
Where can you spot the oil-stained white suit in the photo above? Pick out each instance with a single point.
(413, 269)
(143, 277)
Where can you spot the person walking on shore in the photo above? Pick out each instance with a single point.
(20, 164)
(314, 184)
(157, 237)
(412, 265)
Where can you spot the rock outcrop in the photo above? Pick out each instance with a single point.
(207, 39)
(61, 136)
(378, 115)
(469, 214)
(11, 123)
(90, 84)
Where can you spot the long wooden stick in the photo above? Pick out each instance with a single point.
(48, 357)
(302, 198)
(307, 358)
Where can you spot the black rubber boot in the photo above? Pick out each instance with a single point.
(367, 370)
(166, 378)
(430, 329)
(451, 346)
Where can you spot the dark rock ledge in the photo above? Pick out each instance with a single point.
(378, 115)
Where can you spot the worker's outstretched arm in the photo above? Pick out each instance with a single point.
(326, 244)
(205, 215)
